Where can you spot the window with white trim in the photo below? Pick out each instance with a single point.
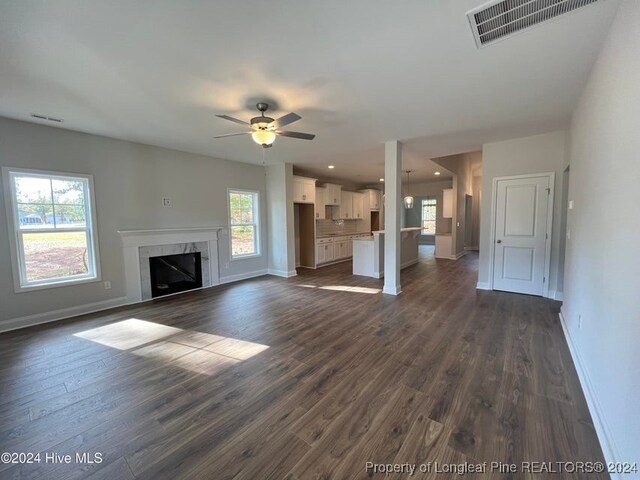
(428, 216)
(53, 239)
(243, 223)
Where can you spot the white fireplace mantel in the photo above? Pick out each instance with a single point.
(132, 240)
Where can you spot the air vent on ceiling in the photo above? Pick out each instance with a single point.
(500, 18)
(39, 116)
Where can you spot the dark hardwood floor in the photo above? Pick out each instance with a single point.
(309, 377)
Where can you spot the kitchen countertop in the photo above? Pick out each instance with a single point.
(329, 235)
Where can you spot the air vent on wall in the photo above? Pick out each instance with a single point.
(39, 116)
(500, 18)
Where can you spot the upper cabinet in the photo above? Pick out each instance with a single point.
(346, 206)
(304, 189)
(374, 198)
(320, 203)
(333, 194)
(358, 205)
(447, 203)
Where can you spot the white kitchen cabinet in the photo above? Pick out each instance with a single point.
(320, 203)
(304, 189)
(374, 198)
(345, 211)
(324, 250)
(340, 248)
(358, 206)
(333, 194)
(447, 203)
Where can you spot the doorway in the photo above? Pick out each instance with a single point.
(521, 233)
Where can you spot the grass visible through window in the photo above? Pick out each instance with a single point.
(53, 255)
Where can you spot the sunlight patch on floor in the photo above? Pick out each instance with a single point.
(195, 351)
(345, 288)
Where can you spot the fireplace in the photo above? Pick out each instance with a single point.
(175, 273)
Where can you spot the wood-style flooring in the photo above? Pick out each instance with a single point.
(301, 378)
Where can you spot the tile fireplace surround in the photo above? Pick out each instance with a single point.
(139, 245)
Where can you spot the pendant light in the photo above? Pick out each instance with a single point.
(408, 200)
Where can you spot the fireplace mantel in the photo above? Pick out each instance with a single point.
(133, 240)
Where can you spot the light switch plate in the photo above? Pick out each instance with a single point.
(166, 202)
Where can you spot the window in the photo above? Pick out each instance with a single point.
(53, 241)
(428, 216)
(243, 223)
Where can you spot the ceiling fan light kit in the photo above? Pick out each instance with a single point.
(264, 130)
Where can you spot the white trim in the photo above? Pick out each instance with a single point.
(15, 248)
(243, 276)
(559, 296)
(492, 231)
(63, 313)
(607, 443)
(392, 291)
(256, 224)
(483, 286)
(282, 273)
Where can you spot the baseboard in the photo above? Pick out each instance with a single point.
(559, 296)
(473, 249)
(409, 263)
(609, 449)
(458, 255)
(483, 286)
(282, 273)
(46, 317)
(243, 276)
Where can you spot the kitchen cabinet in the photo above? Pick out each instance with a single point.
(324, 250)
(320, 203)
(333, 194)
(447, 203)
(374, 198)
(304, 189)
(358, 206)
(340, 248)
(345, 211)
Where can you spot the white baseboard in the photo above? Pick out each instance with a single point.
(46, 317)
(483, 286)
(609, 449)
(282, 273)
(559, 296)
(243, 276)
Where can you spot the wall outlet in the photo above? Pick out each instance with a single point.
(166, 202)
(107, 285)
(570, 204)
(226, 265)
(579, 321)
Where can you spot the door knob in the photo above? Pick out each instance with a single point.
(498, 241)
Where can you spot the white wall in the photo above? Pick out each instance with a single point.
(282, 256)
(536, 154)
(602, 269)
(130, 181)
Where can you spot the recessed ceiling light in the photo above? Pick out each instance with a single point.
(331, 167)
(382, 179)
(436, 173)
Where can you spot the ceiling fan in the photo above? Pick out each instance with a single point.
(265, 129)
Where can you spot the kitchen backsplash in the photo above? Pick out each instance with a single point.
(326, 227)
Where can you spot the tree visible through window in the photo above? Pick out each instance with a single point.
(52, 219)
(243, 223)
(428, 216)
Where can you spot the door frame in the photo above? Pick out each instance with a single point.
(492, 233)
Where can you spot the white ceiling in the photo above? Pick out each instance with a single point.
(359, 73)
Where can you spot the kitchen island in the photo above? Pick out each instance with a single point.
(368, 254)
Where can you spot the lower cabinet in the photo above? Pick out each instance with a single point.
(324, 252)
(340, 249)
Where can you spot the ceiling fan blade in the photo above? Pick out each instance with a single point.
(286, 120)
(232, 134)
(302, 136)
(235, 120)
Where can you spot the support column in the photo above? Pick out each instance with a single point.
(392, 216)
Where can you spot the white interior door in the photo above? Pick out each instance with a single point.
(522, 226)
